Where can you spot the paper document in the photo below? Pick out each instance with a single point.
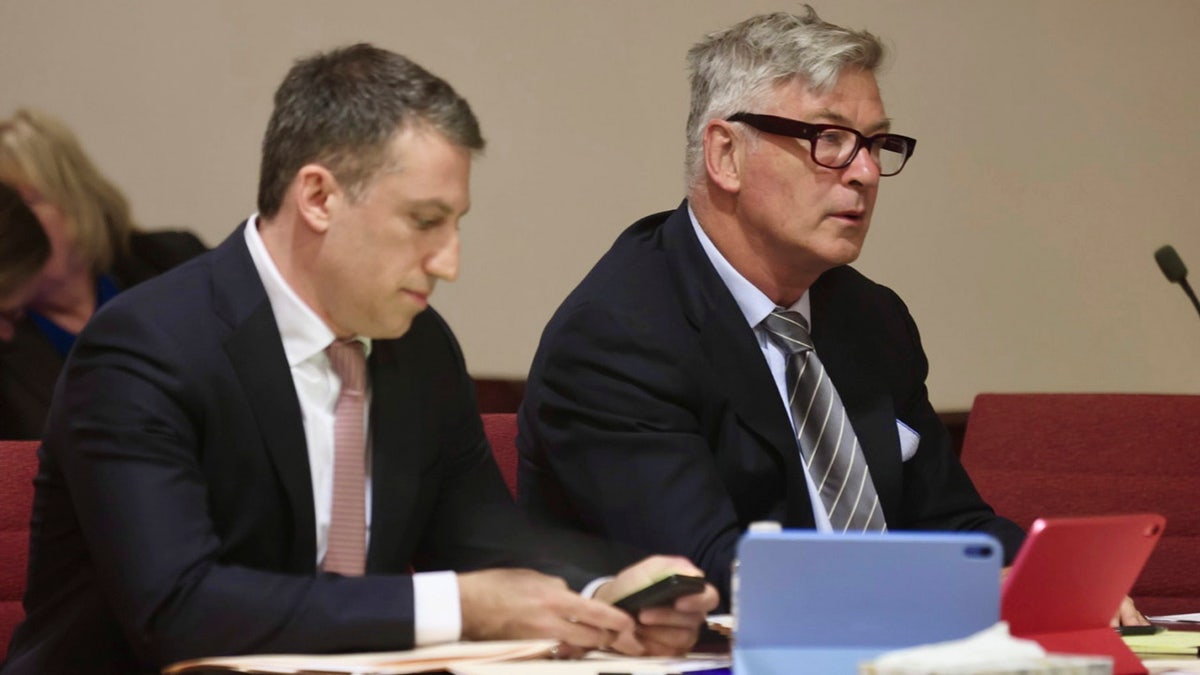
(1172, 666)
(598, 663)
(419, 660)
(1166, 643)
(1181, 618)
(721, 624)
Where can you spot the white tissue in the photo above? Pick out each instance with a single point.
(990, 651)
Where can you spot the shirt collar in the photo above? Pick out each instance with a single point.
(304, 334)
(755, 304)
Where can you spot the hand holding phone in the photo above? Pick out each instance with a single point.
(660, 593)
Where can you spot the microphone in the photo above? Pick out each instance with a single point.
(1175, 271)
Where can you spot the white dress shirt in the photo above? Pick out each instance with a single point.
(437, 614)
(756, 306)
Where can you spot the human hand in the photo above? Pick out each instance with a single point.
(514, 604)
(660, 631)
(1128, 615)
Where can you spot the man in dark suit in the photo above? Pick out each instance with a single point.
(660, 405)
(192, 498)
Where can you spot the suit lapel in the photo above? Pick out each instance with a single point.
(255, 350)
(399, 429)
(737, 361)
(843, 342)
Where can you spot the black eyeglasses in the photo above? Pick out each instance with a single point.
(833, 146)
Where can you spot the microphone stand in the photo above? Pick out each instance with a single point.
(1187, 288)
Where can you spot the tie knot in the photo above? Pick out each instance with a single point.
(350, 364)
(789, 330)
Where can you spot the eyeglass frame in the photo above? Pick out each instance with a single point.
(785, 126)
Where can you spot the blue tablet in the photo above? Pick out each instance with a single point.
(834, 601)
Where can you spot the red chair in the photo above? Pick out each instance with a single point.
(1033, 455)
(501, 430)
(18, 465)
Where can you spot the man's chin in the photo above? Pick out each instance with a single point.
(395, 328)
(846, 253)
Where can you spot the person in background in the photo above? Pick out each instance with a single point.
(275, 447)
(96, 251)
(24, 250)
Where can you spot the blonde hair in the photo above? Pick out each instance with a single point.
(41, 153)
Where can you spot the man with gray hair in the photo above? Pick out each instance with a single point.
(722, 364)
(275, 448)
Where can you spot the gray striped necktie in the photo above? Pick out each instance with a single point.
(827, 442)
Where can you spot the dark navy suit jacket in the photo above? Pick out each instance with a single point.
(650, 414)
(173, 515)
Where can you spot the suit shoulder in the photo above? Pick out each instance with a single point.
(845, 284)
(184, 281)
(634, 266)
(173, 307)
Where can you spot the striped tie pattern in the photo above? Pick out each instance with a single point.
(827, 442)
(347, 550)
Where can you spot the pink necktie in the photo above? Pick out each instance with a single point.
(347, 550)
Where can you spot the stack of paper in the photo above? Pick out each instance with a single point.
(1166, 643)
(420, 660)
(1178, 618)
(603, 663)
(513, 657)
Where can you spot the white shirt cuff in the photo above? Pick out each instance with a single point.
(437, 612)
(589, 591)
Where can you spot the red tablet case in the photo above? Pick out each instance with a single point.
(1068, 581)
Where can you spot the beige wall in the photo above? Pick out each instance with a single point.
(1059, 146)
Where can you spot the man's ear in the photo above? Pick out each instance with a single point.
(318, 194)
(724, 150)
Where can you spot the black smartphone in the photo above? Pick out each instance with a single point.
(1140, 630)
(660, 593)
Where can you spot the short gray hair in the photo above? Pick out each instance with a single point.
(736, 68)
